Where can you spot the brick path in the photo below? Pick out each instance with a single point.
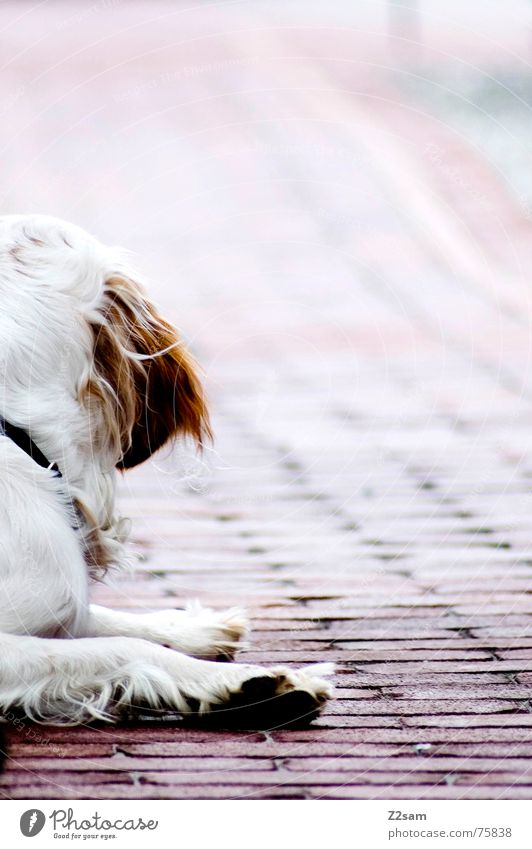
(347, 245)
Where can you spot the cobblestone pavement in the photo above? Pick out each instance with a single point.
(335, 207)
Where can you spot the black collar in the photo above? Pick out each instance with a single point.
(22, 438)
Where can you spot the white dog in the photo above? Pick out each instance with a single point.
(93, 379)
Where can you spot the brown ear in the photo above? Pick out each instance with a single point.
(145, 375)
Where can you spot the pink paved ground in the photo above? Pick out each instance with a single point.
(351, 263)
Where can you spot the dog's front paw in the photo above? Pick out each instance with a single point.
(256, 698)
(201, 632)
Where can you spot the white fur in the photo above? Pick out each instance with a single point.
(62, 659)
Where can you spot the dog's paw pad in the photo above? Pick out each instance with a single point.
(279, 698)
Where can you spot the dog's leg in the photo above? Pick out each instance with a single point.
(57, 681)
(197, 631)
(44, 585)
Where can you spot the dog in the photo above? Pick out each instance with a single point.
(94, 381)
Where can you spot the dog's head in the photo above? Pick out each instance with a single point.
(79, 334)
(143, 381)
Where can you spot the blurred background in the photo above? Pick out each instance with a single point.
(333, 201)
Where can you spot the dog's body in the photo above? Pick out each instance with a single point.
(100, 381)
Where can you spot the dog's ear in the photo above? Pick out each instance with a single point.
(145, 380)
